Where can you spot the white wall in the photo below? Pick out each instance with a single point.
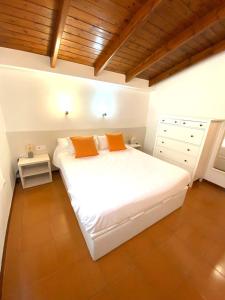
(22, 59)
(32, 103)
(34, 100)
(199, 91)
(7, 188)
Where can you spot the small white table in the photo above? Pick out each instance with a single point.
(136, 146)
(35, 171)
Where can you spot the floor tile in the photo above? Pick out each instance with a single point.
(179, 254)
(70, 248)
(158, 270)
(133, 286)
(208, 281)
(105, 294)
(115, 264)
(180, 257)
(158, 233)
(139, 243)
(186, 292)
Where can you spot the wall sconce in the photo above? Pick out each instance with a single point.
(104, 115)
(65, 103)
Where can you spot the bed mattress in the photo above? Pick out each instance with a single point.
(108, 189)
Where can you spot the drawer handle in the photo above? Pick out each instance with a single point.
(200, 125)
(165, 130)
(184, 123)
(162, 142)
(185, 160)
(175, 121)
(160, 151)
(188, 149)
(163, 120)
(192, 135)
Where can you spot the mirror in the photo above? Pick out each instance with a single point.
(220, 156)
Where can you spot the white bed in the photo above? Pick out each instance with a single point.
(116, 195)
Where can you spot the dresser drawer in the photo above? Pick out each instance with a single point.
(188, 135)
(193, 124)
(170, 121)
(193, 136)
(175, 157)
(189, 149)
(172, 131)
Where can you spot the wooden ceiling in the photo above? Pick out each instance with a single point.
(149, 39)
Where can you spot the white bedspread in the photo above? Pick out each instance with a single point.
(109, 188)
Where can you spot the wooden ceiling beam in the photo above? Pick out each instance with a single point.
(61, 20)
(139, 18)
(195, 29)
(217, 48)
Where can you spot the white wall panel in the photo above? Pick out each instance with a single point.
(34, 100)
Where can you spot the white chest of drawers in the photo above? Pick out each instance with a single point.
(185, 142)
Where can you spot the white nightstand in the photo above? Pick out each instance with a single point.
(136, 146)
(35, 171)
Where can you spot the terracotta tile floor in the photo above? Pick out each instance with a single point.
(180, 257)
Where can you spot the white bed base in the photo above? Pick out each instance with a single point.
(109, 240)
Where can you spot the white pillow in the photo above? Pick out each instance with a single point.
(102, 142)
(66, 145)
(96, 141)
(62, 142)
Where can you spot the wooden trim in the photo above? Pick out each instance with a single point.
(63, 11)
(219, 47)
(195, 29)
(139, 18)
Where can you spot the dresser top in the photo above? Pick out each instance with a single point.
(202, 119)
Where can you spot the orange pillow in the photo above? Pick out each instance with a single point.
(84, 146)
(115, 141)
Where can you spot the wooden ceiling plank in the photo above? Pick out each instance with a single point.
(76, 55)
(28, 44)
(25, 23)
(78, 60)
(77, 46)
(52, 4)
(30, 7)
(92, 20)
(217, 48)
(12, 45)
(139, 18)
(75, 23)
(23, 37)
(106, 11)
(194, 30)
(63, 12)
(87, 36)
(25, 15)
(83, 42)
(80, 32)
(71, 52)
(127, 56)
(23, 30)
